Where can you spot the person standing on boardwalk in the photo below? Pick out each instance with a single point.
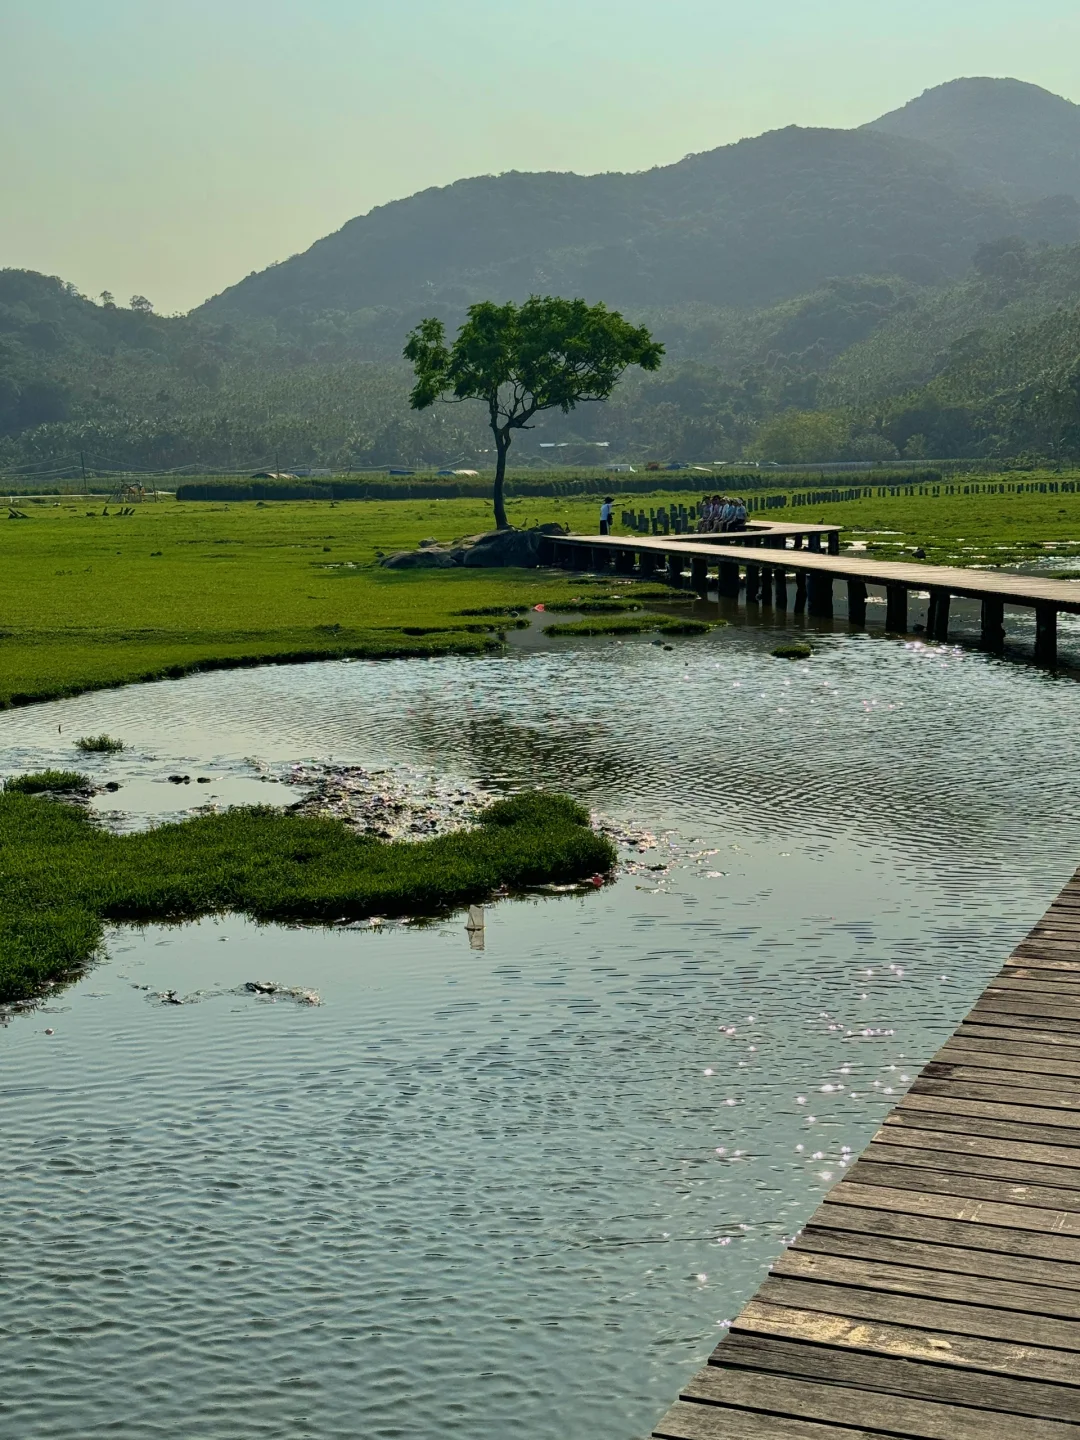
(607, 510)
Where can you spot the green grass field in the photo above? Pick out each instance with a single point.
(89, 600)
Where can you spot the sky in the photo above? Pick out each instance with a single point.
(168, 150)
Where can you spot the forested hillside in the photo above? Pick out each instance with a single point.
(820, 294)
(1000, 132)
(744, 226)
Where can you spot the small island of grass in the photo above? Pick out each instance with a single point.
(65, 876)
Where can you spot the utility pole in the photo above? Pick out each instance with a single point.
(82, 463)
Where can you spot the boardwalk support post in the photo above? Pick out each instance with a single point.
(834, 542)
(896, 609)
(1045, 634)
(856, 602)
(813, 541)
(753, 581)
(765, 583)
(993, 625)
(937, 616)
(780, 588)
(674, 569)
(699, 576)
(800, 592)
(821, 597)
(624, 561)
(727, 579)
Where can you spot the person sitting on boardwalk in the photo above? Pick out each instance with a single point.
(727, 514)
(738, 521)
(709, 512)
(607, 510)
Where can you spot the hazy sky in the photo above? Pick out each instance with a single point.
(170, 148)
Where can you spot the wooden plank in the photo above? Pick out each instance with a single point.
(1020, 1083)
(1004, 1057)
(981, 1127)
(830, 1404)
(1011, 984)
(934, 1284)
(1017, 965)
(955, 1259)
(974, 1321)
(940, 1144)
(1066, 1031)
(1007, 1214)
(954, 1104)
(935, 1230)
(1055, 1007)
(984, 1166)
(1048, 1098)
(942, 1182)
(1028, 1034)
(689, 1421)
(909, 1342)
(898, 1377)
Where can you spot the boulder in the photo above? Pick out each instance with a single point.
(510, 547)
(427, 559)
(493, 550)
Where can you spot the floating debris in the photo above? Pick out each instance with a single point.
(402, 803)
(272, 990)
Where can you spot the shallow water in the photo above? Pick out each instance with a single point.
(517, 1190)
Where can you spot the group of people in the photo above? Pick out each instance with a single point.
(721, 512)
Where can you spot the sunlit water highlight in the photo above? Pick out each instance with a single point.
(513, 1191)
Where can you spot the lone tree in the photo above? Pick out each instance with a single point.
(546, 354)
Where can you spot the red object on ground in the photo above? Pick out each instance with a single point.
(539, 607)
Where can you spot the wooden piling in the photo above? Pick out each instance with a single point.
(821, 593)
(800, 592)
(993, 624)
(896, 597)
(856, 602)
(1045, 634)
(727, 579)
(674, 568)
(937, 615)
(753, 584)
(699, 575)
(780, 588)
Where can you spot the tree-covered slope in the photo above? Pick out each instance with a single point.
(744, 225)
(1000, 132)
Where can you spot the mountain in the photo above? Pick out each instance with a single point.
(745, 225)
(1002, 133)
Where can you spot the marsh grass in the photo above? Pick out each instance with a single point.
(640, 623)
(48, 782)
(99, 744)
(794, 651)
(65, 876)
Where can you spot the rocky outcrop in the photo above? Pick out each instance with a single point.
(496, 549)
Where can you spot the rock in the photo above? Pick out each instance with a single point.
(112, 785)
(510, 547)
(432, 558)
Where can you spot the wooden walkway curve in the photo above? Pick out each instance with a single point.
(935, 1294)
(760, 563)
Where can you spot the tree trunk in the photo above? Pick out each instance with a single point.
(502, 445)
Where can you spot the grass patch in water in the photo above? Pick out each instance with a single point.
(48, 782)
(99, 744)
(64, 876)
(635, 624)
(795, 651)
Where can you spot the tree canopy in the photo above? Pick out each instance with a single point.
(519, 360)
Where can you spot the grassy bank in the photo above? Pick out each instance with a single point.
(65, 877)
(90, 600)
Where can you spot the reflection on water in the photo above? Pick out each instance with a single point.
(514, 1190)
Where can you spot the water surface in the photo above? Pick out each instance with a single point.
(517, 1190)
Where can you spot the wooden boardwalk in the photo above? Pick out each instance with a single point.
(935, 1294)
(760, 568)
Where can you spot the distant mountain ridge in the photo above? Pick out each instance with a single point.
(1003, 133)
(745, 225)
